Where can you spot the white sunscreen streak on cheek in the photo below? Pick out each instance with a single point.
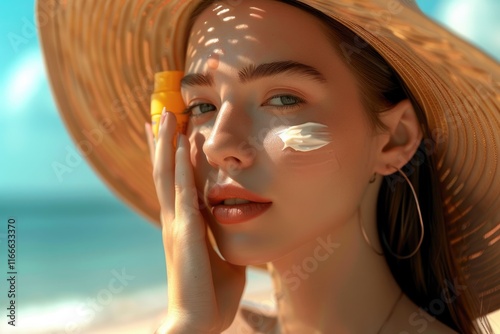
(305, 137)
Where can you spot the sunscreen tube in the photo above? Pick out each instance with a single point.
(167, 94)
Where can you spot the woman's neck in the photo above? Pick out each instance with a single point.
(328, 284)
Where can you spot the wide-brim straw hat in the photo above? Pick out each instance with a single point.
(101, 57)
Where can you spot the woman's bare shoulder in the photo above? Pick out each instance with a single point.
(409, 319)
(252, 319)
(434, 327)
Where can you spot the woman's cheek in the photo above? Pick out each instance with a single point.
(304, 147)
(201, 167)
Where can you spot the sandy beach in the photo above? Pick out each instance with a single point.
(149, 324)
(141, 312)
(257, 291)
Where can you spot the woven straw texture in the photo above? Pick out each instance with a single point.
(101, 56)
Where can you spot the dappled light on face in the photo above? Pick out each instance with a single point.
(212, 41)
(207, 46)
(251, 38)
(195, 65)
(213, 59)
(259, 13)
(243, 59)
(223, 11)
(220, 52)
(258, 9)
(257, 16)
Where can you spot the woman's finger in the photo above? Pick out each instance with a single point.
(151, 141)
(186, 195)
(163, 165)
(189, 268)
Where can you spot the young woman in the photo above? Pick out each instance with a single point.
(358, 161)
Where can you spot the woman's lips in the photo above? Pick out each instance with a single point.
(233, 204)
(238, 213)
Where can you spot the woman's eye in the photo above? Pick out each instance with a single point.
(284, 101)
(199, 109)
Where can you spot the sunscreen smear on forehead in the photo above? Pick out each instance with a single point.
(305, 137)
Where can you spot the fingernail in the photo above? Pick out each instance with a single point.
(163, 115)
(178, 139)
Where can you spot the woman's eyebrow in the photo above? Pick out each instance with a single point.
(252, 72)
(198, 79)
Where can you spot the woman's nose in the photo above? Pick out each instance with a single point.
(228, 145)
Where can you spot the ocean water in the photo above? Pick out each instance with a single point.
(83, 262)
(80, 261)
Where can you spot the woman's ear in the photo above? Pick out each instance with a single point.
(401, 139)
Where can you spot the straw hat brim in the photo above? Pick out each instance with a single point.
(101, 56)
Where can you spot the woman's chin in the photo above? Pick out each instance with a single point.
(250, 247)
(239, 261)
(249, 255)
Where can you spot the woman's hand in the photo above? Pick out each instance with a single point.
(204, 291)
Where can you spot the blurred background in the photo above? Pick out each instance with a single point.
(86, 262)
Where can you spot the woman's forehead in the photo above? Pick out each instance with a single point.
(259, 28)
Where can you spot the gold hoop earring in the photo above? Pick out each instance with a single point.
(363, 232)
(397, 256)
(404, 257)
(365, 236)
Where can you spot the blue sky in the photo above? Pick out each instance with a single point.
(32, 135)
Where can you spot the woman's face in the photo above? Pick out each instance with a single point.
(233, 134)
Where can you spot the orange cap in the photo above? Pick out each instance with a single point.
(167, 94)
